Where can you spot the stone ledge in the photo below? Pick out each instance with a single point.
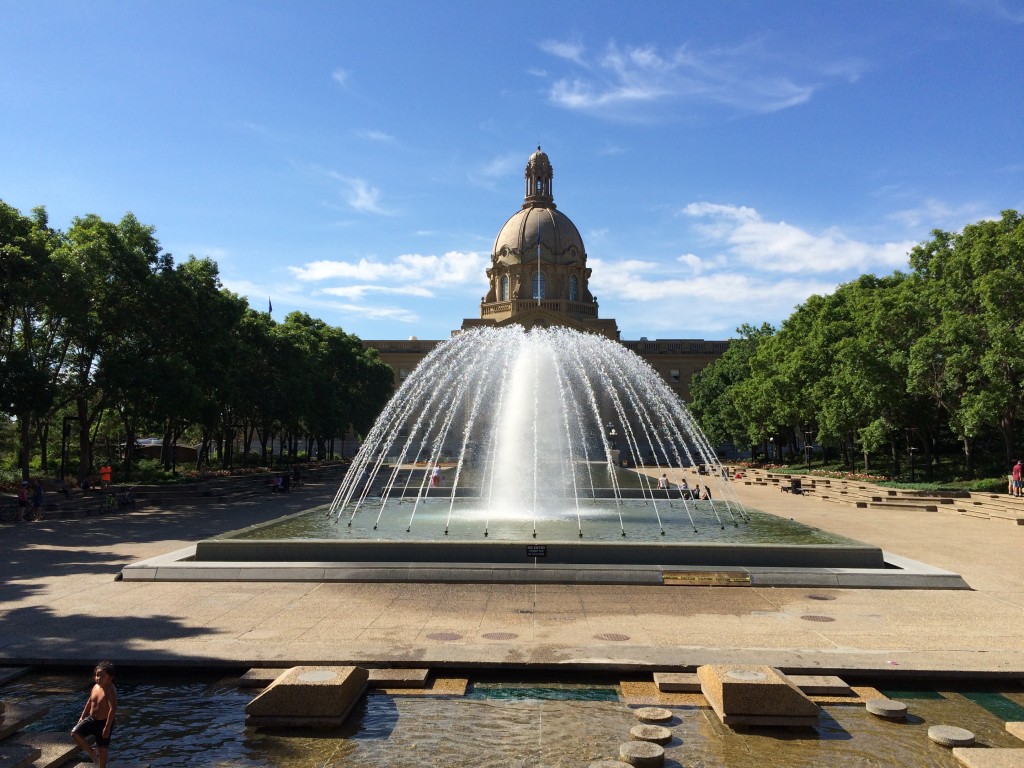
(989, 757)
(54, 748)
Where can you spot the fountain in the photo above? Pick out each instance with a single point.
(527, 425)
(534, 455)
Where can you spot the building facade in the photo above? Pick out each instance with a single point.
(539, 277)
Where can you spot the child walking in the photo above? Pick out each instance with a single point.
(98, 715)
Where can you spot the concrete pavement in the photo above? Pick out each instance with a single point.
(60, 604)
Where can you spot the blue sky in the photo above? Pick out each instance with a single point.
(722, 160)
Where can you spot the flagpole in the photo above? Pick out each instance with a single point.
(538, 264)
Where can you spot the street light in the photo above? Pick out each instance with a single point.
(65, 433)
(911, 450)
(807, 447)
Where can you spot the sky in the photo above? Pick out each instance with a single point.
(722, 160)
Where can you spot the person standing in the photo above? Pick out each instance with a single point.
(37, 500)
(663, 482)
(97, 718)
(1018, 478)
(435, 476)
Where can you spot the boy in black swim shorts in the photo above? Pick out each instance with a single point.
(98, 715)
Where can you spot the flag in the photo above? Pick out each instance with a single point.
(270, 307)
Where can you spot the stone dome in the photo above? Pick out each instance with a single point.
(539, 222)
(560, 241)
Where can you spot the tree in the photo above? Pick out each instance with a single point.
(971, 361)
(32, 348)
(713, 389)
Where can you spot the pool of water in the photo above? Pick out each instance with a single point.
(698, 522)
(190, 719)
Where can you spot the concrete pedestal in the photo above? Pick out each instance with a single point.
(755, 695)
(315, 697)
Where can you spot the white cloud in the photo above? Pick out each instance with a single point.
(359, 291)
(500, 167)
(569, 51)
(780, 247)
(748, 77)
(742, 269)
(406, 273)
(360, 194)
(340, 76)
(375, 135)
(934, 214)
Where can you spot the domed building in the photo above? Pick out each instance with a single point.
(539, 277)
(538, 273)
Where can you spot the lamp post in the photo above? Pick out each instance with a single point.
(911, 450)
(65, 433)
(807, 447)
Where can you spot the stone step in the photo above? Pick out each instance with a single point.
(398, 678)
(54, 748)
(821, 685)
(677, 682)
(812, 685)
(17, 755)
(897, 505)
(989, 757)
(261, 677)
(17, 716)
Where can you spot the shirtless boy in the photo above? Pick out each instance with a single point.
(98, 715)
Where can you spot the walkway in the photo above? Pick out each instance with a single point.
(59, 603)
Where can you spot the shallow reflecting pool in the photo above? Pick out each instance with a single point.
(192, 719)
(699, 522)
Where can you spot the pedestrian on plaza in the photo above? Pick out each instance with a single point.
(97, 718)
(37, 500)
(663, 482)
(435, 476)
(1018, 478)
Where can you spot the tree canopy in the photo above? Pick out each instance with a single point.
(888, 363)
(101, 326)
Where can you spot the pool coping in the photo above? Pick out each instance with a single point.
(900, 573)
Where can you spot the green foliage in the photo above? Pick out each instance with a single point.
(104, 332)
(885, 365)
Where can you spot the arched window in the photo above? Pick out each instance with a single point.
(503, 289)
(538, 285)
(574, 288)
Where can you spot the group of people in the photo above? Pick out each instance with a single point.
(30, 495)
(685, 491)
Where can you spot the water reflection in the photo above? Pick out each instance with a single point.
(188, 719)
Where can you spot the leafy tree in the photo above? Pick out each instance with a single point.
(971, 361)
(713, 389)
(32, 349)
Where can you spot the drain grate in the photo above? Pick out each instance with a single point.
(500, 635)
(444, 636)
(820, 597)
(814, 617)
(614, 637)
